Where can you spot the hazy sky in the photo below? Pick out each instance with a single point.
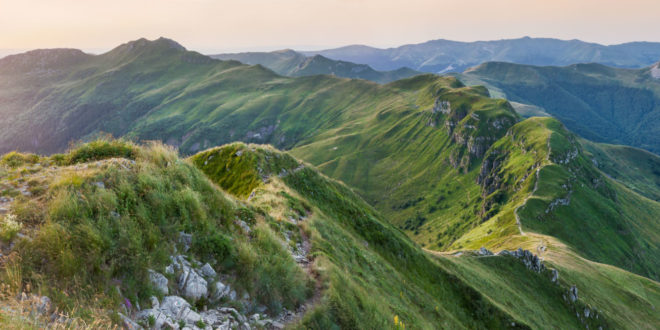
(211, 26)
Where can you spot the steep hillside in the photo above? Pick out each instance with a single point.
(440, 56)
(294, 64)
(426, 152)
(538, 179)
(637, 169)
(604, 104)
(110, 226)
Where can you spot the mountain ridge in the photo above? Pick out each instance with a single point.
(441, 55)
(290, 63)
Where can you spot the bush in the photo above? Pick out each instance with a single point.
(9, 227)
(15, 159)
(97, 150)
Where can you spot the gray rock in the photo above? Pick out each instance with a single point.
(159, 281)
(232, 295)
(44, 305)
(220, 291)
(238, 316)
(277, 325)
(100, 184)
(484, 252)
(185, 240)
(161, 320)
(174, 306)
(555, 276)
(154, 302)
(208, 271)
(573, 293)
(244, 226)
(192, 285)
(128, 323)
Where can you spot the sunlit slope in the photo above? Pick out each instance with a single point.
(637, 169)
(371, 272)
(623, 300)
(538, 179)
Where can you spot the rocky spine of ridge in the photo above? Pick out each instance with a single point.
(588, 315)
(466, 129)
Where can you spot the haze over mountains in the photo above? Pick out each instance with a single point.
(375, 214)
(294, 64)
(441, 56)
(613, 105)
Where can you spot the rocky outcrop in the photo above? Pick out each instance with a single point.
(484, 252)
(441, 106)
(529, 259)
(158, 281)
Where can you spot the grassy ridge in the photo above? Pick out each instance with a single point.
(358, 295)
(611, 105)
(91, 231)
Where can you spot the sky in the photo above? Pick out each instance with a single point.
(257, 25)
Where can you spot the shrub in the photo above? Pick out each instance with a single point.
(9, 227)
(15, 159)
(100, 149)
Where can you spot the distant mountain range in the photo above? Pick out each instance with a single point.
(440, 56)
(601, 103)
(294, 64)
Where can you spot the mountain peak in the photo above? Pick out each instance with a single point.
(41, 59)
(144, 43)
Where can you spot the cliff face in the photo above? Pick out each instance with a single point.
(472, 127)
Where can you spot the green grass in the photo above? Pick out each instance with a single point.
(353, 247)
(637, 169)
(87, 240)
(622, 299)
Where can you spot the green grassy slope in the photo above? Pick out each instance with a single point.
(416, 149)
(617, 106)
(93, 228)
(637, 169)
(625, 300)
(291, 63)
(530, 297)
(539, 178)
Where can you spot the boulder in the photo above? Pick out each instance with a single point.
(555, 276)
(159, 281)
(154, 302)
(208, 271)
(573, 293)
(161, 320)
(238, 316)
(192, 285)
(220, 290)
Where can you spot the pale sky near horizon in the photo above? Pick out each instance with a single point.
(216, 26)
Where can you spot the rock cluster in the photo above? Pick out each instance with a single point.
(195, 282)
(441, 106)
(531, 261)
